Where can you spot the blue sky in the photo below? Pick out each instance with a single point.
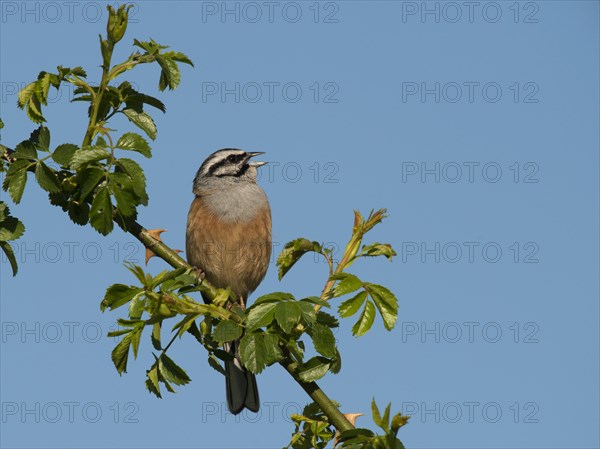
(475, 126)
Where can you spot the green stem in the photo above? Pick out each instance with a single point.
(87, 140)
(336, 417)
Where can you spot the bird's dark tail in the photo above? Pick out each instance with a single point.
(242, 391)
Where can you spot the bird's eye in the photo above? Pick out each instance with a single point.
(232, 158)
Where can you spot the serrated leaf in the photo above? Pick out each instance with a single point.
(134, 142)
(126, 199)
(378, 249)
(170, 75)
(143, 121)
(16, 185)
(316, 300)
(347, 283)
(179, 57)
(323, 339)
(227, 331)
(101, 212)
(293, 251)
(274, 297)
(43, 138)
(136, 336)
(288, 315)
(272, 350)
(25, 150)
(314, 369)
(25, 94)
(155, 336)
(171, 371)
(214, 364)
(152, 381)
(364, 323)
(327, 319)
(10, 227)
(398, 421)
(120, 354)
(136, 306)
(118, 294)
(253, 352)
(10, 255)
(46, 178)
(64, 153)
(137, 178)
(85, 156)
(386, 303)
(351, 306)
(89, 178)
(260, 315)
(309, 315)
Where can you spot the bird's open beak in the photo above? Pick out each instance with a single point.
(256, 163)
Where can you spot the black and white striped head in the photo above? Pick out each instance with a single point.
(229, 164)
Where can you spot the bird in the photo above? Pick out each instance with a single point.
(228, 237)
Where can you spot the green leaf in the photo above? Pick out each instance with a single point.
(152, 380)
(171, 371)
(170, 75)
(227, 331)
(136, 335)
(253, 352)
(385, 419)
(378, 249)
(16, 184)
(137, 178)
(101, 212)
(364, 323)
(323, 340)
(10, 227)
(118, 294)
(10, 255)
(347, 284)
(25, 150)
(136, 306)
(155, 336)
(260, 315)
(43, 138)
(309, 315)
(314, 369)
(88, 179)
(64, 153)
(398, 421)
(327, 319)
(134, 142)
(288, 315)
(85, 156)
(293, 251)
(316, 300)
(126, 198)
(272, 350)
(46, 178)
(179, 57)
(274, 297)
(386, 303)
(214, 364)
(142, 121)
(376, 415)
(351, 306)
(120, 354)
